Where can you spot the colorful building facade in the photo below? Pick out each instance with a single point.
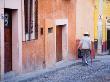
(36, 34)
(105, 24)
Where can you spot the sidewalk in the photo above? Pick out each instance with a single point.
(104, 53)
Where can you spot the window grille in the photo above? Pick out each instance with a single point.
(31, 19)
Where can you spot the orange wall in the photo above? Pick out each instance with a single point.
(33, 55)
(34, 51)
(50, 53)
(60, 9)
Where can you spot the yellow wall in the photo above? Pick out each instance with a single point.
(96, 12)
(106, 13)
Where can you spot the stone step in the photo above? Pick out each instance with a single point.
(9, 75)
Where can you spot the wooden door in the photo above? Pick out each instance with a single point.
(8, 40)
(59, 43)
(108, 39)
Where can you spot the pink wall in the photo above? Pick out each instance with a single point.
(1, 40)
(16, 31)
(15, 5)
(1, 45)
(84, 18)
(15, 40)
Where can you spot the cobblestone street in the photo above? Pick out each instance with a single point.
(99, 71)
(54, 40)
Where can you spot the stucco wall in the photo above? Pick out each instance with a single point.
(106, 13)
(50, 51)
(34, 52)
(61, 9)
(12, 4)
(33, 55)
(84, 18)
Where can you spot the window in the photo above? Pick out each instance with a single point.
(31, 19)
(41, 31)
(50, 30)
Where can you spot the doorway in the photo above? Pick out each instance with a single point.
(7, 40)
(108, 39)
(58, 43)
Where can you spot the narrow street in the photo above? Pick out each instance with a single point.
(99, 71)
(41, 40)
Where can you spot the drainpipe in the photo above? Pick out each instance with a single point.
(100, 27)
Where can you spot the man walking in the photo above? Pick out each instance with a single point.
(85, 45)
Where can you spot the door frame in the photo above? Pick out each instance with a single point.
(64, 24)
(50, 39)
(16, 41)
(107, 38)
(107, 28)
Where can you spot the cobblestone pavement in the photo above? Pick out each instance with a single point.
(99, 71)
